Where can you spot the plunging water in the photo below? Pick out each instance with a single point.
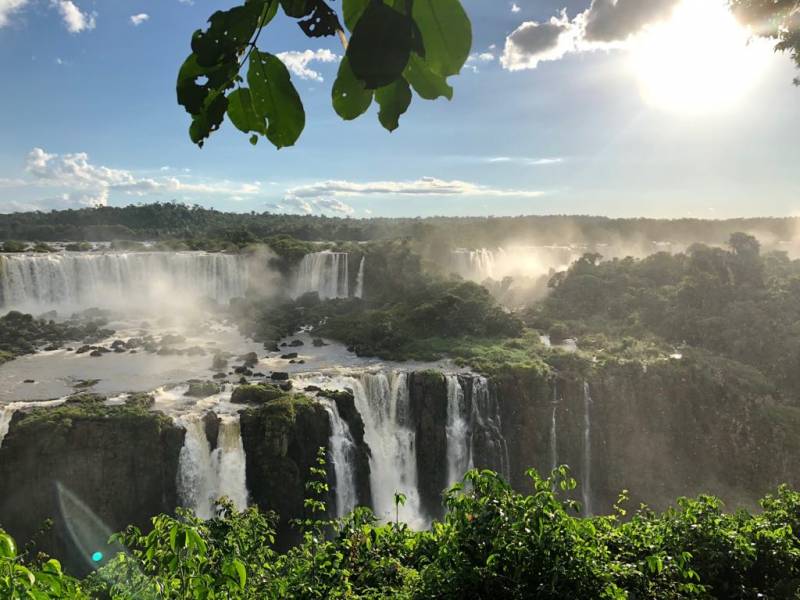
(205, 476)
(384, 402)
(360, 278)
(486, 422)
(76, 280)
(325, 273)
(587, 450)
(458, 432)
(343, 455)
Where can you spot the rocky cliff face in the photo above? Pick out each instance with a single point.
(281, 439)
(674, 428)
(120, 462)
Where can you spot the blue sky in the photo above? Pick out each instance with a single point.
(550, 117)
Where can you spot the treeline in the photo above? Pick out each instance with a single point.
(736, 302)
(494, 543)
(159, 221)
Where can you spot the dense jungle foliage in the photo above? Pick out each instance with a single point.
(734, 302)
(493, 543)
(200, 226)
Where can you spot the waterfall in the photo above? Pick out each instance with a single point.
(587, 450)
(7, 412)
(384, 403)
(554, 431)
(360, 278)
(487, 426)
(204, 476)
(343, 454)
(78, 280)
(477, 265)
(325, 273)
(457, 430)
(228, 461)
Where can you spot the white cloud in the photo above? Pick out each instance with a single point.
(515, 7)
(137, 20)
(298, 62)
(606, 24)
(522, 160)
(532, 42)
(425, 186)
(74, 19)
(476, 58)
(7, 8)
(82, 183)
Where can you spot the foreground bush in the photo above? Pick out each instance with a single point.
(493, 543)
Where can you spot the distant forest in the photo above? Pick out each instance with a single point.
(160, 221)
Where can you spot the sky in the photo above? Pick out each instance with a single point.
(652, 108)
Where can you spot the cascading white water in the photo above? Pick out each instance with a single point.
(587, 450)
(457, 431)
(229, 462)
(360, 278)
(486, 416)
(343, 454)
(205, 476)
(384, 404)
(474, 264)
(7, 412)
(554, 431)
(90, 279)
(323, 272)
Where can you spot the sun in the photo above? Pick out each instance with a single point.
(700, 61)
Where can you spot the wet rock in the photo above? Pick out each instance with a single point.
(219, 363)
(318, 342)
(279, 376)
(312, 388)
(211, 423)
(202, 389)
(51, 347)
(296, 343)
(255, 394)
(219, 376)
(289, 355)
(29, 381)
(242, 371)
(83, 349)
(286, 386)
(95, 353)
(250, 359)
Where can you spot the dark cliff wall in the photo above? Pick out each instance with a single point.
(674, 428)
(281, 440)
(121, 464)
(345, 403)
(428, 402)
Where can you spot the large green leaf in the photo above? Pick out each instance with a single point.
(230, 31)
(380, 46)
(426, 83)
(298, 8)
(350, 98)
(394, 100)
(446, 34)
(274, 97)
(352, 11)
(242, 113)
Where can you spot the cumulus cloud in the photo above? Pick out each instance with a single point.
(298, 62)
(75, 20)
(7, 8)
(477, 58)
(425, 186)
(532, 42)
(605, 24)
(616, 20)
(137, 20)
(515, 7)
(82, 183)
